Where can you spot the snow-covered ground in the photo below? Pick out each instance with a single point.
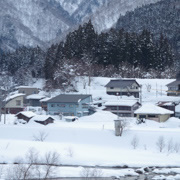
(91, 140)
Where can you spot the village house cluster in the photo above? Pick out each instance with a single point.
(29, 104)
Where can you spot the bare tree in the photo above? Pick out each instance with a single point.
(145, 147)
(41, 136)
(88, 61)
(32, 166)
(170, 146)
(120, 126)
(15, 171)
(64, 76)
(24, 168)
(176, 147)
(96, 173)
(32, 159)
(148, 87)
(85, 173)
(160, 143)
(91, 173)
(70, 151)
(51, 160)
(1, 170)
(6, 86)
(135, 142)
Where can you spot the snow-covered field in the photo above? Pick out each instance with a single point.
(91, 140)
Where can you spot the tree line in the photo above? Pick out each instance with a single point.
(161, 17)
(115, 53)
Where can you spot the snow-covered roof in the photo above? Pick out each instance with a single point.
(120, 103)
(123, 83)
(45, 99)
(8, 98)
(174, 83)
(27, 87)
(40, 117)
(68, 98)
(35, 96)
(70, 117)
(152, 109)
(28, 114)
(166, 103)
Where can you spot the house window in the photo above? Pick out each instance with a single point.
(123, 114)
(85, 106)
(173, 88)
(71, 105)
(85, 113)
(114, 108)
(66, 114)
(79, 114)
(142, 116)
(61, 105)
(124, 108)
(151, 115)
(18, 102)
(52, 105)
(111, 87)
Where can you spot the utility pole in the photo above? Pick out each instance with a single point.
(140, 95)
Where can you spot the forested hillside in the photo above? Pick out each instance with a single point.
(34, 23)
(161, 17)
(115, 53)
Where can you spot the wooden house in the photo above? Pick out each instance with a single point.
(123, 87)
(42, 119)
(173, 88)
(34, 100)
(153, 112)
(27, 90)
(25, 115)
(167, 105)
(13, 103)
(69, 105)
(123, 108)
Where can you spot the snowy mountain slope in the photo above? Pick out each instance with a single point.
(32, 22)
(37, 22)
(159, 18)
(108, 15)
(70, 5)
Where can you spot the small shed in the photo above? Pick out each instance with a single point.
(153, 112)
(25, 115)
(43, 119)
(70, 118)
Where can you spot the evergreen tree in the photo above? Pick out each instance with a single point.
(147, 49)
(49, 62)
(89, 38)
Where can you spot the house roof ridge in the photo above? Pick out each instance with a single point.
(67, 98)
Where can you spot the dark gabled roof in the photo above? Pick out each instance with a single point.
(68, 98)
(174, 83)
(123, 83)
